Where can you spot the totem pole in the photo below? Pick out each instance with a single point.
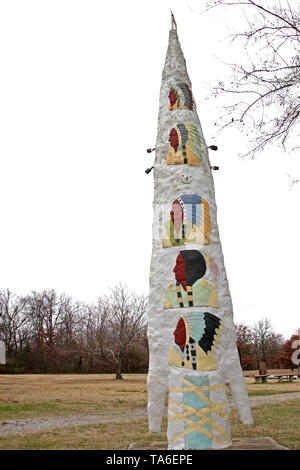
(193, 355)
(2, 346)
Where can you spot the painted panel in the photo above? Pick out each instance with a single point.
(189, 222)
(199, 413)
(196, 338)
(185, 145)
(180, 96)
(190, 288)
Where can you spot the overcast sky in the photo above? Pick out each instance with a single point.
(79, 96)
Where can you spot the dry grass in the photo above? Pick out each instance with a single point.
(28, 396)
(279, 421)
(30, 388)
(110, 436)
(38, 395)
(272, 388)
(35, 396)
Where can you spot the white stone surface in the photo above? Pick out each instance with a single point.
(168, 183)
(2, 352)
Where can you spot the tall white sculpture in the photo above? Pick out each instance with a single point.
(2, 352)
(2, 346)
(192, 343)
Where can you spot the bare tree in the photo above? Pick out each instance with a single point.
(14, 325)
(244, 343)
(267, 344)
(72, 320)
(46, 331)
(266, 81)
(44, 312)
(52, 318)
(116, 327)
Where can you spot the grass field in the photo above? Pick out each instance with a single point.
(37, 396)
(31, 396)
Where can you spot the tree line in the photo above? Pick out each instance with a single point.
(260, 344)
(47, 332)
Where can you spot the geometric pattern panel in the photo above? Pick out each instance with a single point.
(205, 421)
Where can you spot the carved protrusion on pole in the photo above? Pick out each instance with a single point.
(173, 22)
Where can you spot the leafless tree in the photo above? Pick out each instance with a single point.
(44, 311)
(46, 331)
(266, 342)
(53, 320)
(14, 324)
(292, 181)
(116, 327)
(266, 81)
(72, 320)
(244, 343)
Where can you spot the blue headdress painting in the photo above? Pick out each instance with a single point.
(180, 96)
(196, 338)
(189, 221)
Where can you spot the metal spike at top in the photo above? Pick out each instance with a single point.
(173, 22)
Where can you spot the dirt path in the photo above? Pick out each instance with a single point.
(263, 400)
(42, 424)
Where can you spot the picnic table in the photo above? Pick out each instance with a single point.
(283, 377)
(278, 377)
(260, 378)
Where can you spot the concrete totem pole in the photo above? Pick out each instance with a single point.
(2, 352)
(2, 346)
(192, 343)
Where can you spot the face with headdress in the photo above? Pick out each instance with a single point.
(172, 97)
(196, 338)
(189, 220)
(173, 139)
(180, 96)
(180, 334)
(185, 145)
(177, 215)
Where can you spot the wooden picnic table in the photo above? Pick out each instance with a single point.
(278, 377)
(282, 377)
(260, 378)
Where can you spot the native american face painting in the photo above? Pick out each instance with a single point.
(180, 96)
(185, 145)
(189, 222)
(190, 288)
(189, 267)
(196, 338)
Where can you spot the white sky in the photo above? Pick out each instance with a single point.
(79, 95)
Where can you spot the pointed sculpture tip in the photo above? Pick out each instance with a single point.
(173, 22)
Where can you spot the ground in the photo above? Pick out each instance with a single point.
(92, 411)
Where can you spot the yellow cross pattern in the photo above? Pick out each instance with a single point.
(200, 413)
